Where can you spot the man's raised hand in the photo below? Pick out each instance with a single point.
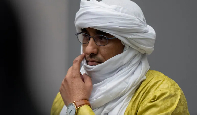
(75, 86)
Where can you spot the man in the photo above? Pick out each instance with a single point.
(115, 78)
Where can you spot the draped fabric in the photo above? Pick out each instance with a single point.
(157, 95)
(115, 83)
(115, 80)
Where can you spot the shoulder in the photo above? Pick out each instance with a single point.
(156, 76)
(159, 80)
(57, 105)
(158, 94)
(158, 85)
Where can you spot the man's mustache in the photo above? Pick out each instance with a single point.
(93, 58)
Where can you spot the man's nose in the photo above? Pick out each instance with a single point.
(91, 47)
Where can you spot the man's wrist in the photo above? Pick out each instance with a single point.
(73, 107)
(80, 103)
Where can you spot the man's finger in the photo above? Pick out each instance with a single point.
(69, 70)
(77, 63)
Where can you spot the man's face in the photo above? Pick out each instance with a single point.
(95, 54)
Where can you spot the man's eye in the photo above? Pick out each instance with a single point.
(102, 38)
(85, 35)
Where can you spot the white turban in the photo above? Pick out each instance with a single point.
(123, 20)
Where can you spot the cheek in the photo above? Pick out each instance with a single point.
(117, 47)
(118, 50)
(107, 54)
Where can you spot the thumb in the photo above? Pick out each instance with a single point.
(87, 79)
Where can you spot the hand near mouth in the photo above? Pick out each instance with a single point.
(76, 86)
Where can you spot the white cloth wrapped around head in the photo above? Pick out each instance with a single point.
(124, 20)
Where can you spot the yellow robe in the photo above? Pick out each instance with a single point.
(157, 95)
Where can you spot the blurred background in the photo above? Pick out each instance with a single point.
(38, 46)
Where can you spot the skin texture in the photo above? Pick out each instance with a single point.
(75, 86)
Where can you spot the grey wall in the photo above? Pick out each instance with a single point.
(44, 29)
(175, 49)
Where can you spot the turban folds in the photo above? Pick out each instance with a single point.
(126, 23)
(116, 80)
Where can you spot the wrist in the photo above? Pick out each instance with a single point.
(82, 102)
(73, 107)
